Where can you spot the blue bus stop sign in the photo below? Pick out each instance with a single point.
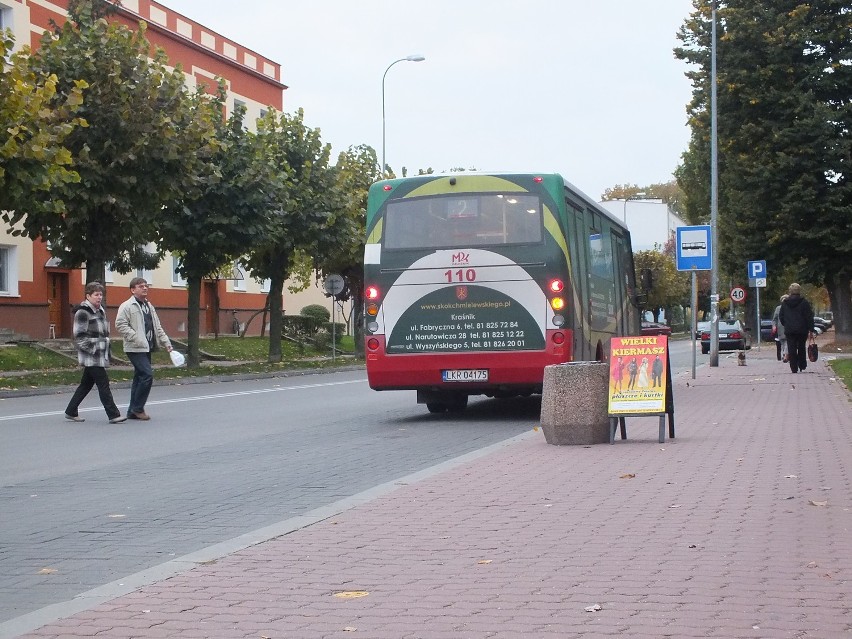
(694, 250)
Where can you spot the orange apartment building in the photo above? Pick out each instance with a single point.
(36, 292)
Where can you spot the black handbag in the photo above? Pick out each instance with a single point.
(813, 350)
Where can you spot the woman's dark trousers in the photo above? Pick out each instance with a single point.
(93, 375)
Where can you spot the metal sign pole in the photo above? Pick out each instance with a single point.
(694, 301)
(333, 285)
(757, 312)
(333, 329)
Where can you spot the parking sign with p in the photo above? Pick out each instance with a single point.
(757, 268)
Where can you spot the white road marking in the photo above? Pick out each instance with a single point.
(258, 391)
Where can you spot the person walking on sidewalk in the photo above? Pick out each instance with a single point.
(780, 337)
(797, 317)
(91, 335)
(143, 334)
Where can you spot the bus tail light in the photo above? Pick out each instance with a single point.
(372, 294)
(557, 304)
(372, 343)
(556, 286)
(558, 338)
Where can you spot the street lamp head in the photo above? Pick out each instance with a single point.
(414, 57)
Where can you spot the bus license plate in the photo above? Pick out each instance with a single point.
(465, 375)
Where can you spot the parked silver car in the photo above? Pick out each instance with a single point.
(733, 336)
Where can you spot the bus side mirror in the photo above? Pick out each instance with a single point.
(647, 279)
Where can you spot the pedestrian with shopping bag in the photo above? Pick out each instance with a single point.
(797, 317)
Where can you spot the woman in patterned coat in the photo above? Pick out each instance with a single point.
(91, 333)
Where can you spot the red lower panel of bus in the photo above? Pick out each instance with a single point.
(506, 369)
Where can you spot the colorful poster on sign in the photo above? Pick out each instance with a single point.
(637, 375)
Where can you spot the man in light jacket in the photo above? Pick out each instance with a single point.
(142, 333)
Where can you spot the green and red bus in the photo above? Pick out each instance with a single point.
(475, 282)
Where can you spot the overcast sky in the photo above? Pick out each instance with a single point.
(589, 89)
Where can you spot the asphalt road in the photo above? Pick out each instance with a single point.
(83, 505)
(86, 504)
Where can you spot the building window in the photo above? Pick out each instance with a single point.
(177, 278)
(8, 271)
(150, 248)
(6, 23)
(145, 274)
(239, 277)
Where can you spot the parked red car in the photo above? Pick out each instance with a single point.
(653, 328)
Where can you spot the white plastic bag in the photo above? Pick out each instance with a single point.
(177, 358)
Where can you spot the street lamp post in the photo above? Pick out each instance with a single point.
(714, 202)
(409, 58)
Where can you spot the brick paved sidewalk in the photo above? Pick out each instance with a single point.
(738, 528)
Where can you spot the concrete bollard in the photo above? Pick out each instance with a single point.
(574, 404)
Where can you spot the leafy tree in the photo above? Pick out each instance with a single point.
(306, 206)
(226, 213)
(343, 252)
(34, 124)
(784, 138)
(669, 192)
(137, 153)
(670, 287)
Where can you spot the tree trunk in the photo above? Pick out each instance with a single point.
(358, 320)
(216, 309)
(355, 279)
(96, 272)
(193, 316)
(265, 311)
(839, 287)
(276, 292)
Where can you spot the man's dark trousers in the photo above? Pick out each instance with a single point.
(797, 351)
(143, 378)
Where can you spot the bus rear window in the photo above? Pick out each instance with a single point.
(454, 221)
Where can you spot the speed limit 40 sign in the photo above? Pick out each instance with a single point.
(738, 294)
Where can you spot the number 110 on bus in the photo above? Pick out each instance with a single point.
(461, 275)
